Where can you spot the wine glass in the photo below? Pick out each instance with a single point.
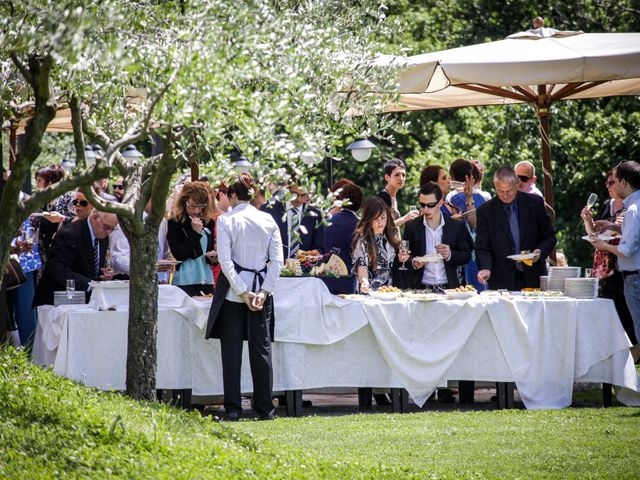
(413, 208)
(591, 201)
(404, 249)
(71, 287)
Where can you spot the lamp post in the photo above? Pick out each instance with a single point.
(243, 165)
(361, 149)
(130, 152)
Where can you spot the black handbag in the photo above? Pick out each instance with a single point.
(13, 275)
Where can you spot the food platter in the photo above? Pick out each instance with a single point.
(424, 297)
(605, 237)
(460, 294)
(110, 284)
(384, 295)
(429, 258)
(168, 262)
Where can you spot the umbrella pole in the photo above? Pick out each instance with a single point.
(543, 115)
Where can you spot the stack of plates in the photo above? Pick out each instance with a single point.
(557, 276)
(544, 283)
(581, 287)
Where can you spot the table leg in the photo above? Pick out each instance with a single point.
(399, 400)
(185, 398)
(466, 390)
(294, 403)
(504, 394)
(607, 395)
(364, 398)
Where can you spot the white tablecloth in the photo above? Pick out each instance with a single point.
(544, 345)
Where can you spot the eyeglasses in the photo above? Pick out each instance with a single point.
(429, 205)
(196, 205)
(524, 178)
(82, 203)
(106, 227)
(118, 187)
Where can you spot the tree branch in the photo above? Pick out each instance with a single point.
(22, 68)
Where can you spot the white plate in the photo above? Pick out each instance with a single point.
(429, 258)
(384, 295)
(460, 295)
(169, 262)
(424, 297)
(603, 236)
(110, 284)
(522, 256)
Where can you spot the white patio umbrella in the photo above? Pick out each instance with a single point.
(539, 66)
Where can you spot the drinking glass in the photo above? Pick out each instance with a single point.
(404, 248)
(591, 201)
(71, 287)
(413, 208)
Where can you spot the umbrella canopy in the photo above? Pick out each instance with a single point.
(539, 66)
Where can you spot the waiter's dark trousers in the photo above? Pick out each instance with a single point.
(235, 319)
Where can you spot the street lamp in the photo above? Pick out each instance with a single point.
(361, 149)
(243, 165)
(130, 152)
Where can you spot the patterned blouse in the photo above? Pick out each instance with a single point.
(385, 257)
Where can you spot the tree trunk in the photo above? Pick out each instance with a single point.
(143, 315)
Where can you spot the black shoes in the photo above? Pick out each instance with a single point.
(233, 416)
(270, 416)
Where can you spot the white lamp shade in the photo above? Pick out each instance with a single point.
(243, 165)
(361, 150)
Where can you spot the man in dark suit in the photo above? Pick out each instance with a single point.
(78, 252)
(508, 224)
(300, 225)
(430, 234)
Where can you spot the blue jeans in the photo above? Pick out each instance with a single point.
(632, 296)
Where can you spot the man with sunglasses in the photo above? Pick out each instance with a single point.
(434, 234)
(118, 189)
(526, 174)
(78, 252)
(508, 224)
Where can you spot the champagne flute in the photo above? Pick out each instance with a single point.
(71, 287)
(404, 249)
(591, 201)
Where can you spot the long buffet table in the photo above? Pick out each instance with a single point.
(543, 345)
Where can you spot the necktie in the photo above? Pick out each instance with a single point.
(96, 257)
(294, 241)
(515, 231)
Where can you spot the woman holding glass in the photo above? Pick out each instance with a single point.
(395, 174)
(190, 234)
(376, 244)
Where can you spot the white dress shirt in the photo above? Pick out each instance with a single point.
(630, 241)
(251, 238)
(121, 252)
(434, 272)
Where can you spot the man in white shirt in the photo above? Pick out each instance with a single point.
(526, 173)
(250, 255)
(627, 185)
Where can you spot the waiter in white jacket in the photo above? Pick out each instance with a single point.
(250, 255)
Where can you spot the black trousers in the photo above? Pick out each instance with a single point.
(613, 288)
(236, 319)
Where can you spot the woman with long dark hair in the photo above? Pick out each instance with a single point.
(375, 246)
(438, 175)
(190, 234)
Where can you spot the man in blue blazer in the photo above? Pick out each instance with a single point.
(296, 215)
(508, 224)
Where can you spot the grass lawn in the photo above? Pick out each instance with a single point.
(54, 428)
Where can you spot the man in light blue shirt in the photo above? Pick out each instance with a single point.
(627, 185)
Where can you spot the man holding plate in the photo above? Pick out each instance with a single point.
(512, 224)
(439, 245)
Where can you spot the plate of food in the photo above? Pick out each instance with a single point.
(605, 237)
(354, 297)
(429, 258)
(108, 284)
(203, 298)
(522, 256)
(424, 297)
(536, 293)
(461, 293)
(168, 262)
(385, 293)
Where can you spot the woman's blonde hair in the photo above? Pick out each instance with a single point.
(197, 192)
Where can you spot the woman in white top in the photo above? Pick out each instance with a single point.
(250, 255)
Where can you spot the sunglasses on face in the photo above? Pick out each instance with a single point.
(523, 178)
(82, 203)
(119, 187)
(429, 205)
